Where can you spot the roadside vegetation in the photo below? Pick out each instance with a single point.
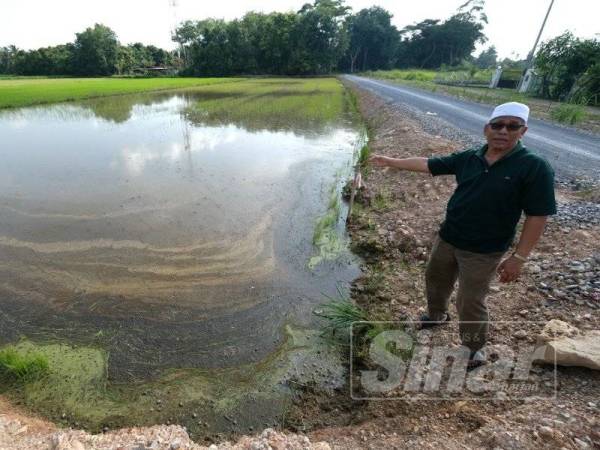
(569, 113)
(585, 117)
(21, 91)
(456, 83)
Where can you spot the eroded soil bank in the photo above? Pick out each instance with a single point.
(394, 235)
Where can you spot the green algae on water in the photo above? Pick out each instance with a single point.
(76, 390)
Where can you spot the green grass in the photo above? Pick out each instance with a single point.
(429, 80)
(406, 75)
(273, 103)
(340, 315)
(569, 113)
(259, 103)
(343, 319)
(364, 154)
(447, 76)
(326, 238)
(26, 91)
(382, 200)
(21, 366)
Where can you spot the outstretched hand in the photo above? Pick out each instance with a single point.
(378, 161)
(510, 269)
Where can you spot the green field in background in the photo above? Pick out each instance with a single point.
(25, 91)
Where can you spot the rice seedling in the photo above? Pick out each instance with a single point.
(273, 104)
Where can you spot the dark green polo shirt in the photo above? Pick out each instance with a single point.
(486, 206)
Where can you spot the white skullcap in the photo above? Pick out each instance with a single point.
(513, 109)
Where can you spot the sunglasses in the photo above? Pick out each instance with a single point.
(509, 126)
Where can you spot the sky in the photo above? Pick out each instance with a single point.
(513, 24)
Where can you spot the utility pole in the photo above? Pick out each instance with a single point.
(537, 40)
(174, 4)
(524, 82)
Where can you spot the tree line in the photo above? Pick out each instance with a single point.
(95, 52)
(325, 37)
(569, 69)
(321, 38)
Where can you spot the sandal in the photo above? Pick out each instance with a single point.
(426, 322)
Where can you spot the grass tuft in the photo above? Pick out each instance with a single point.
(382, 201)
(349, 326)
(364, 154)
(342, 316)
(21, 366)
(570, 113)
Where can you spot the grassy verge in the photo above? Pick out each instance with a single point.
(587, 118)
(26, 91)
(571, 114)
(427, 80)
(454, 76)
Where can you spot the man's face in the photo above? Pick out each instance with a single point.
(508, 131)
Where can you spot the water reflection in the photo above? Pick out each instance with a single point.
(140, 216)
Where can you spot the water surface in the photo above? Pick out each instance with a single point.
(169, 236)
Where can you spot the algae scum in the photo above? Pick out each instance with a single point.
(163, 252)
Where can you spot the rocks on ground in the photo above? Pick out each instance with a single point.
(566, 345)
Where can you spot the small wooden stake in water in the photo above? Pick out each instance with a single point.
(356, 184)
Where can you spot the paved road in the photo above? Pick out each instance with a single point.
(571, 152)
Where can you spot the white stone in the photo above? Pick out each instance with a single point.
(568, 346)
(534, 268)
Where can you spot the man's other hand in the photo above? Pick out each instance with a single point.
(510, 269)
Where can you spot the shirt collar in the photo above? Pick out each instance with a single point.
(515, 149)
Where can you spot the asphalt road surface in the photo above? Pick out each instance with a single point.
(571, 152)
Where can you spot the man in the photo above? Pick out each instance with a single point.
(496, 183)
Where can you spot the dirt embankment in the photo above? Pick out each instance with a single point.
(394, 234)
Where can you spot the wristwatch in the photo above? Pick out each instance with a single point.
(519, 257)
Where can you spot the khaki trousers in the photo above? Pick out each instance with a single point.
(474, 272)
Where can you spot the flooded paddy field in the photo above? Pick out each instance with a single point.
(164, 251)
